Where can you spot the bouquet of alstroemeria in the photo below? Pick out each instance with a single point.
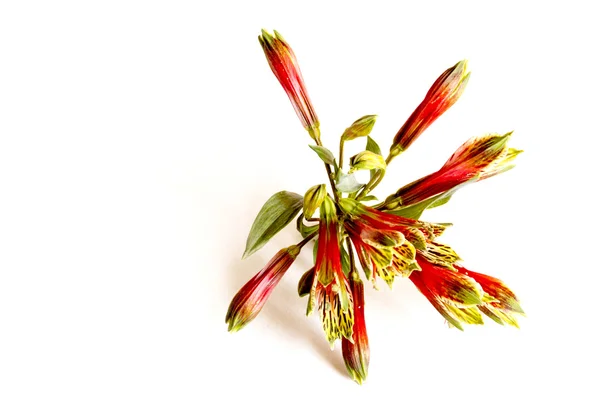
(388, 237)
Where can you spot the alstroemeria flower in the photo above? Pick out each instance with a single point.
(284, 65)
(330, 291)
(356, 351)
(461, 296)
(477, 159)
(251, 298)
(386, 244)
(444, 92)
(389, 239)
(505, 305)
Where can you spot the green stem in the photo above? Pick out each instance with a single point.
(350, 255)
(375, 180)
(329, 175)
(372, 184)
(341, 159)
(307, 239)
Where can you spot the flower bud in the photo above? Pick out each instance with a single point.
(313, 199)
(443, 94)
(251, 298)
(359, 128)
(366, 160)
(284, 65)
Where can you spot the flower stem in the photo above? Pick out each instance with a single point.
(372, 184)
(307, 239)
(350, 255)
(329, 175)
(341, 159)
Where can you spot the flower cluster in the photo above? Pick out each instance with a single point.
(384, 240)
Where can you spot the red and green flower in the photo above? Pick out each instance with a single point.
(386, 239)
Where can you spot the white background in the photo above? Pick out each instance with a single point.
(138, 140)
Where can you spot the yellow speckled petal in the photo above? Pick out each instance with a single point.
(440, 254)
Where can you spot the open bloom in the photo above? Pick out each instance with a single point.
(462, 296)
(444, 92)
(284, 65)
(389, 245)
(386, 244)
(504, 305)
(251, 298)
(330, 291)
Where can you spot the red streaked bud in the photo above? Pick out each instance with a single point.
(251, 298)
(478, 158)
(444, 92)
(356, 352)
(284, 65)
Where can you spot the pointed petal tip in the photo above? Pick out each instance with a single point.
(358, 377)
(229, 322)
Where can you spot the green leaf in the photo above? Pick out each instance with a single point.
(373, 147)
(369, 198)
(345, 258)
(324, 154)
(347, 183)
(440, 202)
(414, 211)
(277, 212)
(305, 230)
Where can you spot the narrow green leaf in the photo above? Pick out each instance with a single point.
(274, 215)
(414, 211)
(369, 198)
(324, 154)
(440, 202)
(345, 260)
(373, 147)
